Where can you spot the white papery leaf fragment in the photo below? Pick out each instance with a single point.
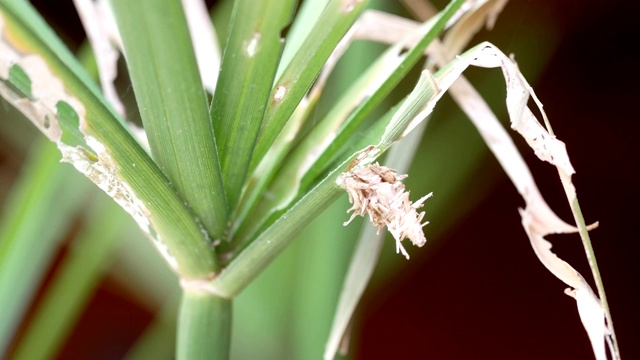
(378, 191)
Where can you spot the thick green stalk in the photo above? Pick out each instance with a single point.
(204, 326)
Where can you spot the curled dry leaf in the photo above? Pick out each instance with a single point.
(538, 219)
(378, 191)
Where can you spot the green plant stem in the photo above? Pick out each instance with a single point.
(204, 326)
(591, 256)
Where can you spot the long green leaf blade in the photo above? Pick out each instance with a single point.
(298, 77)
(306, 16)
(172, 103)
(71, 112)
(248, 68)
(74, 281)
(35, 216)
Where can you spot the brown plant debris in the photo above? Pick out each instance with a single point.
(378, 191)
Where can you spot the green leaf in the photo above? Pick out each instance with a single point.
(74, 281)
(20, 81)
(330, 137)
(35, 216)
(306, 16)
(284, 224)
(172, 104)
(297, 78)
(70, 111)
(248, 68)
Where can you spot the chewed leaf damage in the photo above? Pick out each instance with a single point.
(44, 104)
(102, 171)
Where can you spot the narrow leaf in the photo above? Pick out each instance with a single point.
(35, 216)
(306, 16)
(69, 110)
(297, 78)
(248, 68)
(74, 282)
(329, 138)
(172, 104)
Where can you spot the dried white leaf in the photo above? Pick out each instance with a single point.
(47, 91)
(538, 219)
(102, 33)
(102, 171)
(205, 42)
(592, 317)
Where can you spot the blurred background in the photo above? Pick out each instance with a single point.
(475, 291)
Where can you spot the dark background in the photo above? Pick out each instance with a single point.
(482, 294)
